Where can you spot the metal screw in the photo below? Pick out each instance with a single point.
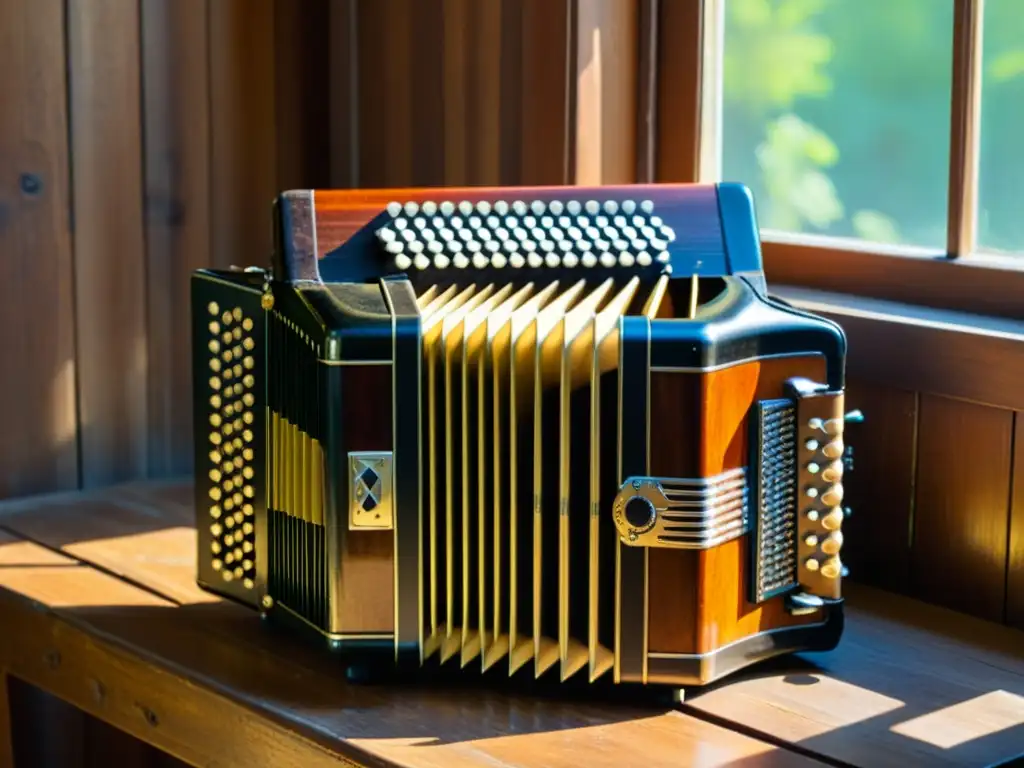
(30, 184)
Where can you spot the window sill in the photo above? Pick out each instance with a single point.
(982, 285)
(920, 349)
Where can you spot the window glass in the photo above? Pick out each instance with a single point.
(1001, 165)
(836, 114)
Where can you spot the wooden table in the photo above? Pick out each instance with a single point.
(98, 607)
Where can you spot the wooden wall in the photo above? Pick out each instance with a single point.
(141, 139)
(937, 491)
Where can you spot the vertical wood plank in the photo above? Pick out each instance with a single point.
(428, 41)
(6, 732)
(484, 86)
(606, 91)
(547, 116)
(243, 143)
(880, 489)
(680, 74)
(385, 114)
(458, 48)
(647, 91)
(343, 58)
(38, 446)
(513, 85)
(961, 509)
(176, 150)
(1015, 561)
(109, 245)
(302, 103)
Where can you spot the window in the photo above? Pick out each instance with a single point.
(1001, 165)
(881, 139)
(836, 114)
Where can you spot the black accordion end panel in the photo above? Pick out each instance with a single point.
(556, 433)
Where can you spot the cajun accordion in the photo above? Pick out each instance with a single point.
(558, 431)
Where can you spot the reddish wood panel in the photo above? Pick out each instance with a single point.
(487, 129)
(605, 74)
(880, 488)
(1015, 561)
(702, 595)
(546, 120)
(38, 448)
(961, 506)
(727, 615)
(385, 81)
(675, 129)
(109, 245)
(243, 137)
(340, 213)
(176, 90)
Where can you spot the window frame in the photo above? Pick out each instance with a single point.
(680, 145)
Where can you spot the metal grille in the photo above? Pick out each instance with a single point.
(774, 552)
(297, 558)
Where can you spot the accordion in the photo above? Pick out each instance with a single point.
(563, 432)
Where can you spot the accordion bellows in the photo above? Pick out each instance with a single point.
(555, 432)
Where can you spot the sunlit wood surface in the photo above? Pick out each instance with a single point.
(98, 606)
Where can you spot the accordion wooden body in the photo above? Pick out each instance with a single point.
(555, 432)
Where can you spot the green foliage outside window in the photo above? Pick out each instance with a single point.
(836, 114)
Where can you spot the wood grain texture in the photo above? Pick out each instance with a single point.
(244, 696)
(343, 84)
(880, 488)
(384, 108)
(486, 132)
(243, 137)
(38, 449)
(176, 99)
(673, 576)
(547, 104)
(1015, 559)
(920, 350)
(680, 63)
(340, 213)
(606, 91)
(702, 595)
(909, 684)
(118, 530)
(109, 244)
(727, 615)
(962, 506)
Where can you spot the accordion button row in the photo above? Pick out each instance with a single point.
(518, 207)
(536, 235)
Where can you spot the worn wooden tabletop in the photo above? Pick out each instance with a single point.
(98, 606)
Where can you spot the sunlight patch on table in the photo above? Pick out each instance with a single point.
(958, 724)
(795, 712)
(669, 740)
